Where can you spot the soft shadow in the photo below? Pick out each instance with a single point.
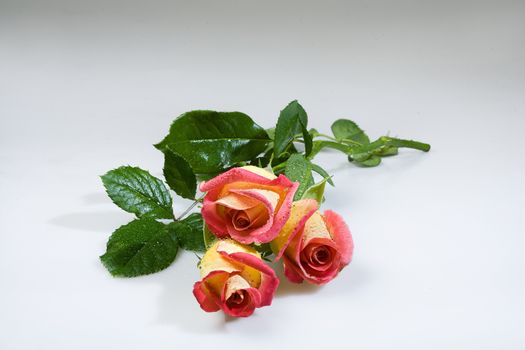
(349, 281)
(96, 198)
(97, 221)
(177, 305)
(287, 288)
(231, 319)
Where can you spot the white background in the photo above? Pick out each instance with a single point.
(86, 86)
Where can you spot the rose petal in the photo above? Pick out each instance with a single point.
(213, 261)
(341, 235)
(315, 227)
(319, 276)
(243, 179)
(264, 233)
(245, 283)
(233, 175)
(250, 298)
(237, 201)
(260, 171)
(327, 247)
(250, 274)
(212, 219)
(251, 302)
(234, 283)
(290, 271)
(306, 232)
(256, 216)
(300, 213)
(314, 232)
(269, 280)
(205, 290)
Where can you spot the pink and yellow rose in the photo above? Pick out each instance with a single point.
(247, 204)
(313, 246)
(250, 205)
(234, 279)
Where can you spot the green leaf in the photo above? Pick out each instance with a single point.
(213, 141)
(387, 151)
(292, 121)
(318, 145)
(365, 152)
(346, 130)
(137, 191)
(323, 173)
(278, 164)
(264, 249)
(285, 155)
(208, 237)
(179, 175)
(314, 132)
(370, 162)
(260, 162)
(316, 191)
(308, 140)
(189, 232)
(141, 247)
(195, 221)
(298, 168)
(271, 133)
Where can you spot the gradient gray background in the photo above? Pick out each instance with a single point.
(86, 86)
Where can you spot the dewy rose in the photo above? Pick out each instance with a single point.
(247, 204)
(313, 246)
(234, 279)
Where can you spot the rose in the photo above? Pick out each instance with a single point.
(248, 204)
(313, 246)
(234, 279)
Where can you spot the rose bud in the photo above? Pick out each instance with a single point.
(313, 246)
(247, 204)
(234, 279)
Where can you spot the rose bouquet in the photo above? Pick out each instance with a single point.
(258, 199)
